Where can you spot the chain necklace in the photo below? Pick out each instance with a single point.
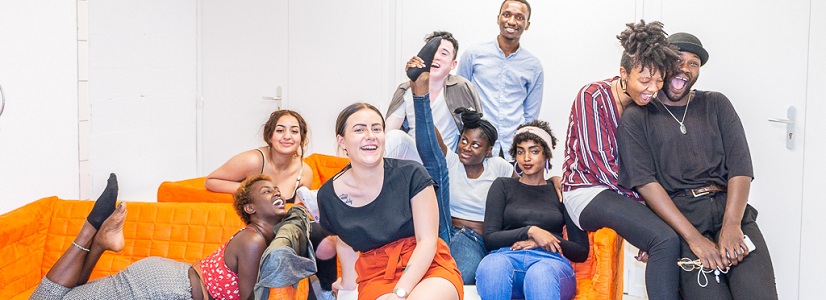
(681, 122)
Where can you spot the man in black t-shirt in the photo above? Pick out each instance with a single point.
(686, 153)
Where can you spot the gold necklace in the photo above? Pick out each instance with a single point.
(681, 122)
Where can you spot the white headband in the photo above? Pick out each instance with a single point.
(542, 134)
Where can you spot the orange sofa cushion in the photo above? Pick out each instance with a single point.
(34, 236)
(193, 190)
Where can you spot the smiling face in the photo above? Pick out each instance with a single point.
(513, 20)
(530, 157)
(642, 84)
(286, 137)
(679, 84)
(266, 200)
(444, 61)
(363, 137)
(474, 147)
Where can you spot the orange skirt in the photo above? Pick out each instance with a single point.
(379, 269)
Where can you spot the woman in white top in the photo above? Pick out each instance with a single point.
(471, 171)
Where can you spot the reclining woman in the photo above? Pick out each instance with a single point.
(471, 171)
(386, 210)
(285, 133)
(524, 218)
(257, 201)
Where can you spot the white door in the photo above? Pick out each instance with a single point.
(243, 51)
(813, 241)
(758, 58)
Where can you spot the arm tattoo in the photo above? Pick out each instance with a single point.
(406, 268)
(346, 199)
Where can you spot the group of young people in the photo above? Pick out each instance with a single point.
(667, 167)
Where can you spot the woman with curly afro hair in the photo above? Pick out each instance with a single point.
(590, 190)
(231, 272)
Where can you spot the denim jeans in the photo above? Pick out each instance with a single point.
(467, 248)
(528, 274)
(433, 160)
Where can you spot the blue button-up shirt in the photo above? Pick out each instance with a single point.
(510, 88)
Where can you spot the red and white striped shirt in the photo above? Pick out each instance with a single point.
(591, 152)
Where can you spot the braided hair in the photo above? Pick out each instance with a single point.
(647, 46)
(472, 119)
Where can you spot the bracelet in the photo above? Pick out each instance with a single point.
(80, 247)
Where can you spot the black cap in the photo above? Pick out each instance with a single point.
(689, 43)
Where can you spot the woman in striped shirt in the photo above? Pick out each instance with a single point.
(590, 191)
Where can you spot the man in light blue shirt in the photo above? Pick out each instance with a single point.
(509, 79)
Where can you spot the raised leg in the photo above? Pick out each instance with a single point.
(109, 237)
(68, 269)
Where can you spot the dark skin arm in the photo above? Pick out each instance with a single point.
(658, 200)
(731, 240)
(242, 256)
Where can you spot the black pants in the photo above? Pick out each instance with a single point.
(637, 224)
(753, 278)
(327, 269)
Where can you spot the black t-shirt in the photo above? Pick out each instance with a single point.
(388, 218)
(513, 207)
(652, 148)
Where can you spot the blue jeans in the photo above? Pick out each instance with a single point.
(433, 160)
(528, 274)
(467, 248)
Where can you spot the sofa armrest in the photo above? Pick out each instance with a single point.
(22, 239)
(191, 191)
(600, 277)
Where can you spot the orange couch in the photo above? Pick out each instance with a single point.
(599, 277)
(192, 190)
(34, 236)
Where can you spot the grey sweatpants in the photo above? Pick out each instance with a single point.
(148, 278)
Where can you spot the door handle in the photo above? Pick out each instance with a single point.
(789, 121)
(2, 100)
(277, 98)
(785, 121)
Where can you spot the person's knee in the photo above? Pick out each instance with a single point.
(665, 239)
(326, 248)
(492, 266)
(552, 271)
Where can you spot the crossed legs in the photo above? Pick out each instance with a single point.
(75, 265)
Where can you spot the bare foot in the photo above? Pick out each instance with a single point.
(110, 235)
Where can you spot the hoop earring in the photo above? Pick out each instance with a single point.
(547, 169)
(516, 169)
(623, 83)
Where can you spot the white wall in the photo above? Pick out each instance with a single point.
(142, 88)
(38, 73)
(339, 53)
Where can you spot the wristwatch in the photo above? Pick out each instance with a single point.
(400, 292)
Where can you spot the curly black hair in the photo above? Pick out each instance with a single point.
(524, 136)
(647, 45)
(243, 195)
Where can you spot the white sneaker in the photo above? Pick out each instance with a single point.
(309, 198)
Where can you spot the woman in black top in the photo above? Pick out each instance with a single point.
(523, 228)
(386, 210)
